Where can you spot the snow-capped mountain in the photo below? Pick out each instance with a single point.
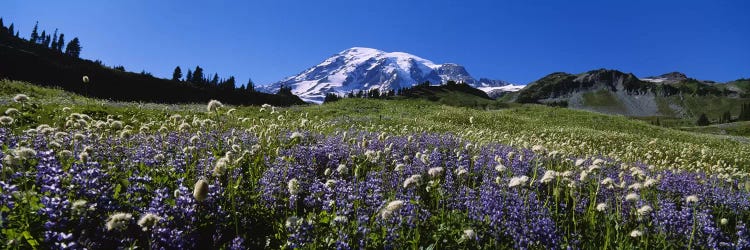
(360, 68)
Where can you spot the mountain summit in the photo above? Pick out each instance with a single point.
(361, 68)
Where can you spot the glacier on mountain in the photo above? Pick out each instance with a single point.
(364, 69)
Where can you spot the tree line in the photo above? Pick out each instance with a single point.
(41, 60)
(726, 117)
(52, 41)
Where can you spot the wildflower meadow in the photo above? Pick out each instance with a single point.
(79, 173)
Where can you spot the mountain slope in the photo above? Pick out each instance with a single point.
(25, 61)
(615, 92)
(360, 68)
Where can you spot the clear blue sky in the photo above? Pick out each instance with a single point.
(517, 41)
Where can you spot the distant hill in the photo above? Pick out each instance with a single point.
(36, 63)
(615, 92)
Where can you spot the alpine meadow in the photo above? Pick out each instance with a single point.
(370, 149)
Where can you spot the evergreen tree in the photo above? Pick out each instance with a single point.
(47, 40)
(198, 75)
(2, 25)
(10, 29)
(702, 120)
(34, 33)
(189, 76)
(215, 80)
(177, 74)
(228, 84)
(60, 42)
(43, 37)
(54, 41)
(74, 48)
(726, 117)
(331, 97)
(250, 86)
(745, 112)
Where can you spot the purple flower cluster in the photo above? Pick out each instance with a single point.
(350, 190)
(353, 178)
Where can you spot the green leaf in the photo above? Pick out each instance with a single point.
(117, 191)
(30, 239)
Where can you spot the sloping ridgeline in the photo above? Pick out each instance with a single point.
(615, 92)
(26, 61)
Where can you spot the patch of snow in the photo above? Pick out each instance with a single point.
(506, 88)
(654, 80)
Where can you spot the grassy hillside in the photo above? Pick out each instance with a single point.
(405, 173)
(457, 95)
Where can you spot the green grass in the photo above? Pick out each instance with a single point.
(712, 106)
(734, 128)
(571, 132)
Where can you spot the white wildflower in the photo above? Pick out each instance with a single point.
(116, 125)
(399, 167)
(200, 191)
(601, 207)
(148, 221)
(580, 162)
(221, 166)
(330, 183)
(583, 175)
(691, 199)
(66, 154)
(461, 172)
(11, 111)
(6, 120)
(518, 181)
(118, 221)
(340, 220)
(724, 221)
(20, 98)
(214, 105)
(78, 207)
(549, 175)
(412, 180)
(500, 167)
(635, 186)
(293, 186)
(342, 169)
(469, 234)
(79, 137)
(391, 208)
(85, 79)
(636, 234)
(126, 133)
(435, 172)
(644, 210)
(566, 174)
(598, 162)
(632, 197)
(25, 153)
